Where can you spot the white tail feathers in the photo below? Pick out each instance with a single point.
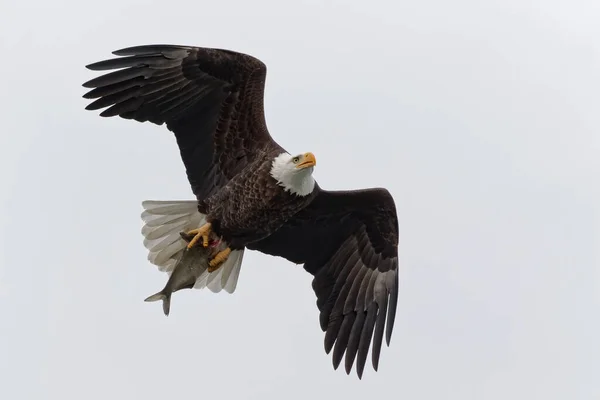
(225, 277)
(163, 221)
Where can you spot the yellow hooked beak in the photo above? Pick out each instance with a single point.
(308, 160)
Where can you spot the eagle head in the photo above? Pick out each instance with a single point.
(294, 173)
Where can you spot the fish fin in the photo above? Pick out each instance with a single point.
(166, 299)
(163, 222)
(186, 237)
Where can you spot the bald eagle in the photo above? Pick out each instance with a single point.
(254, 194)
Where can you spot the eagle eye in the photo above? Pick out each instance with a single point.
(295, 160)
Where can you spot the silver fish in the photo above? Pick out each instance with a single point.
(191, 265)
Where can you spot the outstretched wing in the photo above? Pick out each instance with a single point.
(349, 241)
(211, 99)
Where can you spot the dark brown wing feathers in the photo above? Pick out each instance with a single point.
(211, 99)
(348, 241)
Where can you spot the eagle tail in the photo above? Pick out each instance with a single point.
(164, 220)
(225, 277)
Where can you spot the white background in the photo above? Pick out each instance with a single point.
(481, 118)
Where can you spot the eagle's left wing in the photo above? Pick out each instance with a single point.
(348, 240)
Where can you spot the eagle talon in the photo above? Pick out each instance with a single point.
(203, 232)
(218, 260)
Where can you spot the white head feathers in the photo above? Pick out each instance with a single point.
(294, 173)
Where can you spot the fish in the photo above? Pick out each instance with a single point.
(189, 267)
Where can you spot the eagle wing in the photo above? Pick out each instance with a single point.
(211, 99)
(348, 240)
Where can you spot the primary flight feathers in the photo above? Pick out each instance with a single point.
(255, 195)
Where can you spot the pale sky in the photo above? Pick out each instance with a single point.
(480, 117)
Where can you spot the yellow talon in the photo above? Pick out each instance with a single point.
(218, 260)
(203, 232)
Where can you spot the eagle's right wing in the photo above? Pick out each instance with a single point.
(211, 99)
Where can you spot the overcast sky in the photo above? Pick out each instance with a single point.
(480, 117)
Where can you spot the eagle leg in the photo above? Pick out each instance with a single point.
(218, 260)
(202, 232)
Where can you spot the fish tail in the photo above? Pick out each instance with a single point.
(166, 299)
